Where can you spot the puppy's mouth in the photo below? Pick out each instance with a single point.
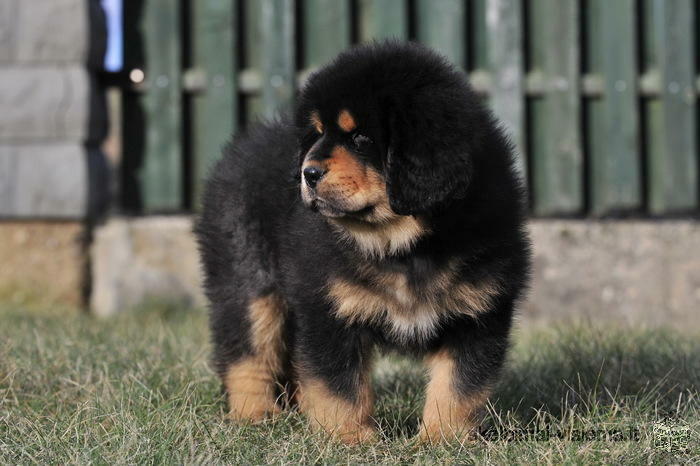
(327, 209)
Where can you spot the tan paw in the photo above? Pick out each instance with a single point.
(252, 409)
(356, 435)
(436, 433)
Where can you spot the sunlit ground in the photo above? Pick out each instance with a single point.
(137, 388)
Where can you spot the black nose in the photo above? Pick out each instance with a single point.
(312, 175)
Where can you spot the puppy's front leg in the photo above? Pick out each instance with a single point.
(462, 374)
(449, 413)
(335, 392)
(346, 418)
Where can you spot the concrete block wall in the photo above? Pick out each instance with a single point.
(49, 103)
(637, 272)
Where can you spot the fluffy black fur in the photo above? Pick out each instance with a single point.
(443, 158)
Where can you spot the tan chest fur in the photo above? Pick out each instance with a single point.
(407, 312)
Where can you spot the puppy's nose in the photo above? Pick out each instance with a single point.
(312, 175)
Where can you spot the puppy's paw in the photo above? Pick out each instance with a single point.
(252, 408)
(432, 434)
(355, 435)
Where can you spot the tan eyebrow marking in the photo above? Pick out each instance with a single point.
(316, 121)
(346, 121)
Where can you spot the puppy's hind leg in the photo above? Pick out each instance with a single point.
(251, 380)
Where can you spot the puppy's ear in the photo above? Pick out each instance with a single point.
(427, 165)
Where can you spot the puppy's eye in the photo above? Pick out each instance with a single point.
(360, 140)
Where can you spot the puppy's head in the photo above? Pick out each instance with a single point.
(386, 130)
(341, 168)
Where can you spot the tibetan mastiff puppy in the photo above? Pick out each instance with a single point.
(387, 214)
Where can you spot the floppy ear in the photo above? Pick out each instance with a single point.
(427, 165)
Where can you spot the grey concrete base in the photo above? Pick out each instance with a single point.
(626, 272)
(134, 260)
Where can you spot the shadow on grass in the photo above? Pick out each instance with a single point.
(595, 372)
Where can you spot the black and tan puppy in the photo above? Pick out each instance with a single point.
(403, 229)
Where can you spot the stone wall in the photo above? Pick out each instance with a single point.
(625, 272)
(636, 271)
(42, 263)
(52, 122)
(51, 108)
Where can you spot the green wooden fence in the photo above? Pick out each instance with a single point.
(600, 96)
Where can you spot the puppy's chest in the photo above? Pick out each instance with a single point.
(407, 307)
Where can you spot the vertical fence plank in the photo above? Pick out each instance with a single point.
(278, 66)
(613, 120)
(254, 34)
(383, 18)
(270, 55)
(442, 26)
(504, 26)
(160, 176)
(673, 170)
(556, 140)
(326, 30)
(213, 50)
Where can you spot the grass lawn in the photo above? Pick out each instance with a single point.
(137, 389)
